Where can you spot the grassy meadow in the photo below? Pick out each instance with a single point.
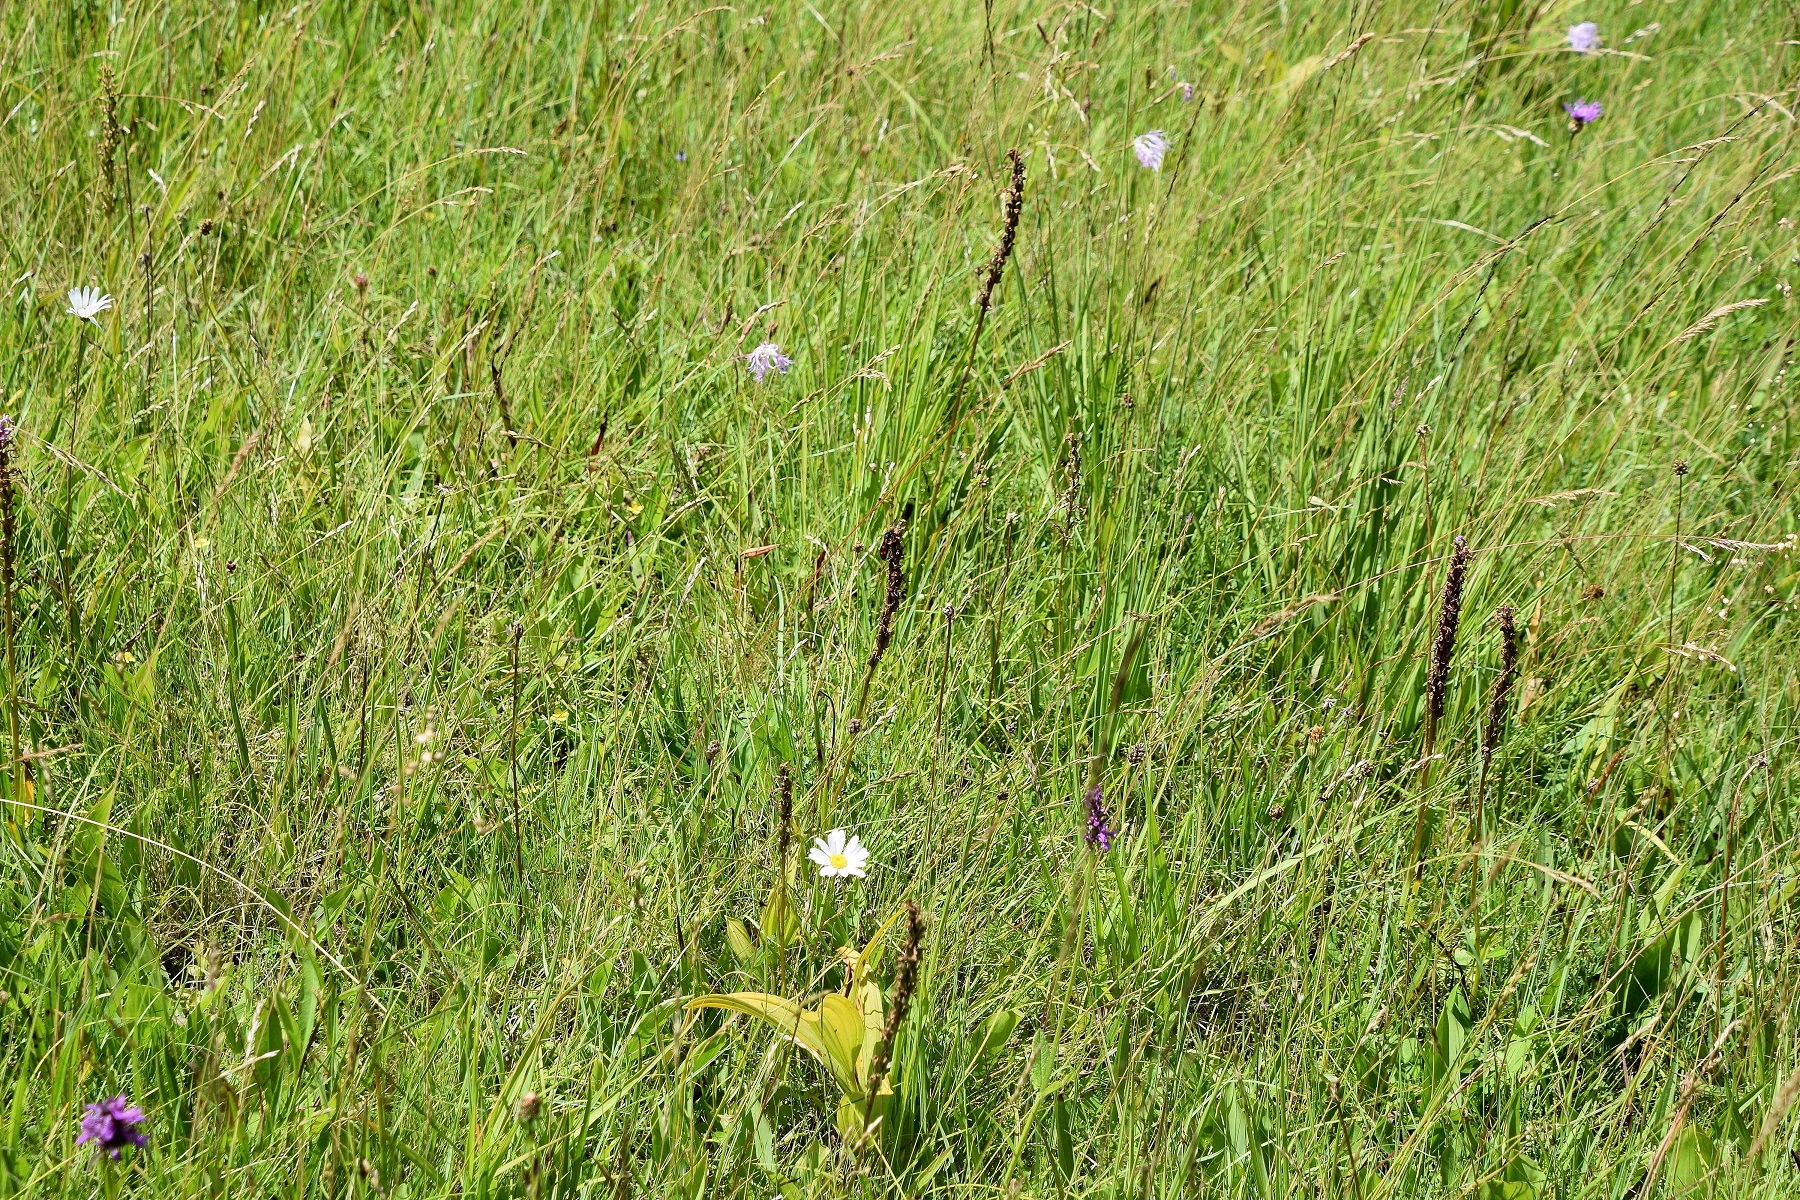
(432, 651)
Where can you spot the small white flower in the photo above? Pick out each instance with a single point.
(838, 856)
(88, 303)
(1150, 148)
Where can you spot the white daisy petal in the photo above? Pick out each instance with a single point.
(87, 304)
(839, 854)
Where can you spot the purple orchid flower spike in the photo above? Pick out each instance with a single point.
(113, 1124)
(1099, 834)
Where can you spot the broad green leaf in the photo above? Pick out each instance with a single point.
(993, 1033)
(1666, 892)
(1691, 1160)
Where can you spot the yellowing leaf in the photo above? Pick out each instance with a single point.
(739, 937)
(841, 1029)
(874, 1016)
(799, 1025)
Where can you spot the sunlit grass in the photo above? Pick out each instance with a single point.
(434, 583)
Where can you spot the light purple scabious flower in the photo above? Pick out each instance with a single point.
(1099, 834)
(1150, 148)
(112, 1125)
(765, 358)
(1583, 113)
(1584, 38)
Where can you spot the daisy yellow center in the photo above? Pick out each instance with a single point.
(839, 862)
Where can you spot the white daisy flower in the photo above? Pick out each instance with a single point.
(838, 855)
(88, 303)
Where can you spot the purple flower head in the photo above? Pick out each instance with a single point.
(681, 156)
(112, 1125)
(1187, 90)
(1099, 835)
(1150, 148)
(1583, 113)
(7, 430)
(765, 358)
(1584, 38)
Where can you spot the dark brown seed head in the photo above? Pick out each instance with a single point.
(906, 979)
(784, 815)
(1509, 671)
(1443, 644)
(1012, 205)
(892, 551)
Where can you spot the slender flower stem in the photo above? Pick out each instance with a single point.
(518, 629)
(8, 555)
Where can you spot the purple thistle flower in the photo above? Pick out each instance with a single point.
(112, 1125)
(765, 358)
(1099, 834)
(1150, 148)
(1584, 38)
(1583, 113)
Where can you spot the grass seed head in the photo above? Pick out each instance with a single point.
(1509, 672)
(906, 980)
(1012, 205)
(1443, 644)
(892, 551)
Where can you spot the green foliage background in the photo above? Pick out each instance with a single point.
(416, 597)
